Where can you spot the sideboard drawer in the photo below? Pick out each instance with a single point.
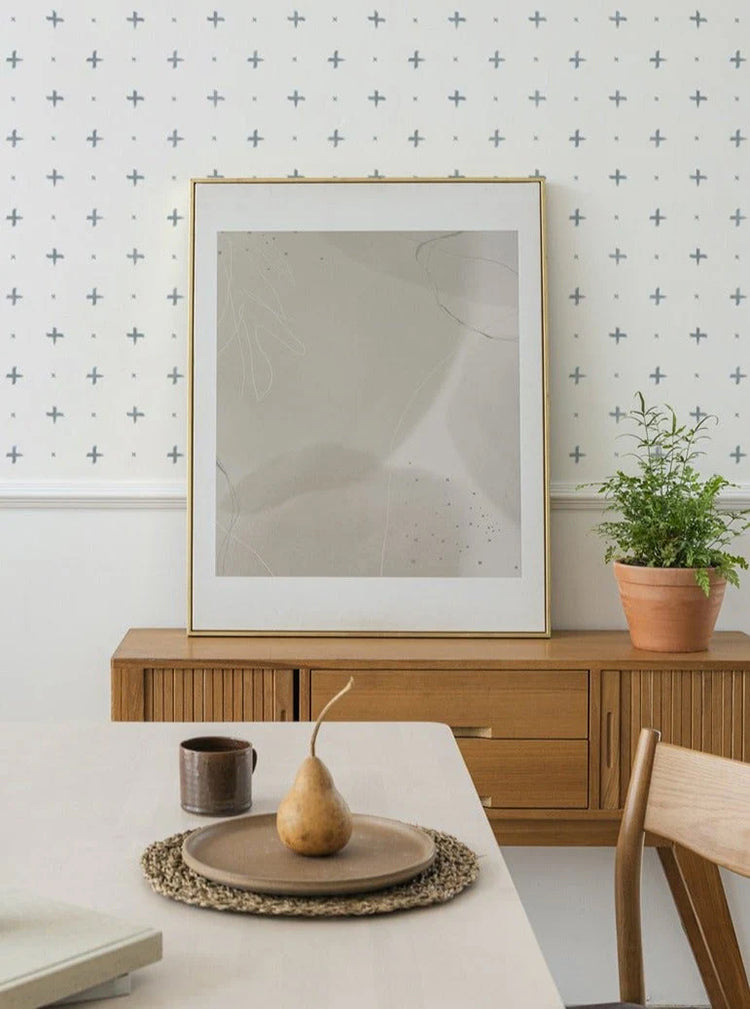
(491, 704)
(528, 773)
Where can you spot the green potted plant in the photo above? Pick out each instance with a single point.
(669, 538)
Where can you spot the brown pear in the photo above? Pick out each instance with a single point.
(313, 817)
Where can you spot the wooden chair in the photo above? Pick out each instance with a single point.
(698, 805)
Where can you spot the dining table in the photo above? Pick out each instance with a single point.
(81, 802)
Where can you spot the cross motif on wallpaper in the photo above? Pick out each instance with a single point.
(108, 112)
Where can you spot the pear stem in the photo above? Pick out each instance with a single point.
(323, 713)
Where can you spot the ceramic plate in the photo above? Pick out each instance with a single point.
(247, 853)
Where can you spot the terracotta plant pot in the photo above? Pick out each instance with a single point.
(666, 609)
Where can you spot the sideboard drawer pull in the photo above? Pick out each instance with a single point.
(486, 801)
(472, 731)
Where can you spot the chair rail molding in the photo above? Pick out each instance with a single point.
(93, 494)
(584, 497)
(173, 495)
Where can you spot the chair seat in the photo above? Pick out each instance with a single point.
(607, 1005)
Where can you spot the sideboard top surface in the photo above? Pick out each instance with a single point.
(564, 649)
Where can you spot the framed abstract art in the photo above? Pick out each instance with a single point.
(368, 407)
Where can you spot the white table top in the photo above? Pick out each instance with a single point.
(81, 802)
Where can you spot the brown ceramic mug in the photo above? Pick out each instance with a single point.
(216, 775)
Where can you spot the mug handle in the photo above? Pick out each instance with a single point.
(255, 757)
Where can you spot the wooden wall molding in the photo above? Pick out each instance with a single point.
(173, 495)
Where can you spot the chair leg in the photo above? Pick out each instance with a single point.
(702, 905)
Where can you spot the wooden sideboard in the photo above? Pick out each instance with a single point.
(547, 727)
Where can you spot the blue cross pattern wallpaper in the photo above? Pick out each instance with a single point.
(635, 112)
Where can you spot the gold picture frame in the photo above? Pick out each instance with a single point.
(368, 408)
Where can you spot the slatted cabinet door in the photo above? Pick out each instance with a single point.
(704, 709)
(208, 694)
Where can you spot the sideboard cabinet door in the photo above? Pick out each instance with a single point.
(158, 693)
(705, 709)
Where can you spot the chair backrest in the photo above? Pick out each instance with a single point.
(698, 805)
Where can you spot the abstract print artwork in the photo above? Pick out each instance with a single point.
(360, 434)
(359, 429)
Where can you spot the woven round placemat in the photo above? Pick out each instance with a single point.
(454, 868)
